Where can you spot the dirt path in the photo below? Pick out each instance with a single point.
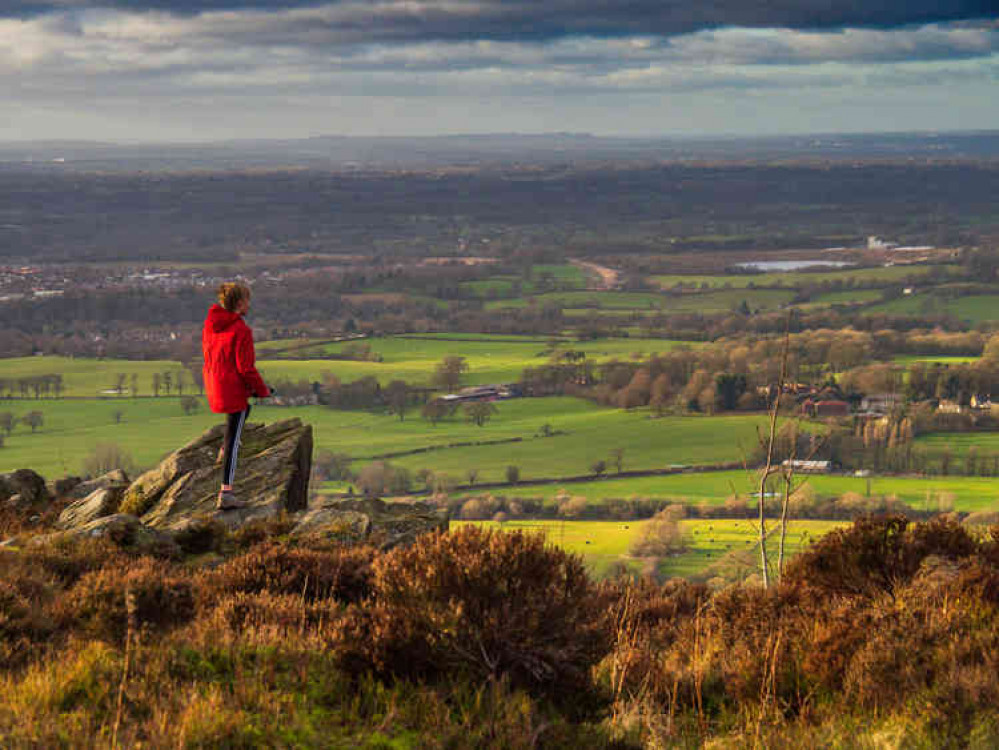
(608, 277)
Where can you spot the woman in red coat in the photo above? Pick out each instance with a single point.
(231, 376)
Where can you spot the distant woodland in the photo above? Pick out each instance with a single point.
(595, 210)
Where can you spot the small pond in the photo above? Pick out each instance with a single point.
(791, 265)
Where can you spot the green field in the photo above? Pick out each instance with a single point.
(727, 545)
(151, 427)
(882, 274)
(88, 377)
(590, 436)
(973, 309)
(564, 275)
(958, 443)
(912, 359)
(715, 301)
(713, 488)
(413, 359)
(852, 297)
(611, 300)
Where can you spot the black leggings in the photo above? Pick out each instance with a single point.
(233, 432)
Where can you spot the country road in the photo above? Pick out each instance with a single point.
(609, 278)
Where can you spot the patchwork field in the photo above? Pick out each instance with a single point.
(714, 547)
(714, 488)
(974, 308)
(413, 358)
(880, 274)
(722, 300)
(410, 358)
(499, 285)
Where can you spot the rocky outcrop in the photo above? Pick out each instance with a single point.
(64, 486)
(121, 529)
(23, 487)
(113, 479)
(177, 498)
(384, 524)
(96, 505)
(273, 478)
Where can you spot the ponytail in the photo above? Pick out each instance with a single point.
(231, 293)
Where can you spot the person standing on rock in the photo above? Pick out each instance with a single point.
(231, 376)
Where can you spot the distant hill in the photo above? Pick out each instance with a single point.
(493, 149)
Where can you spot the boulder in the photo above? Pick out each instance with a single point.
(25, 483)
(80, 490)
(123, 530)
(99, 503)
(64, 486)
(384, 524)
(275, 461)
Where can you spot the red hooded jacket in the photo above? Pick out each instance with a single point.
(230, 372)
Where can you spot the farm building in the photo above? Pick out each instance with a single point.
(880, 403)
(480, 393)
(825, 408)
(808, 467)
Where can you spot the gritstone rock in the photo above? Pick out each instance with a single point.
(29, 485)
(272, 477)
(97, 504)
(385, 524)
(116, 478)
(121, 529)
(64, 486)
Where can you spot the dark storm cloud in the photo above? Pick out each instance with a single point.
(453, 20)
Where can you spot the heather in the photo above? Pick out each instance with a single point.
(882, 634)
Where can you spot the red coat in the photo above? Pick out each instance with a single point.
(230, 372)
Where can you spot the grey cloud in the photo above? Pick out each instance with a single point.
(451, 20)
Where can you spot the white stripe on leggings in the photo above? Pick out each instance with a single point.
(235, 448)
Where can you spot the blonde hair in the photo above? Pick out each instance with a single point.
(231, 293)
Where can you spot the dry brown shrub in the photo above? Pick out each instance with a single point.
(649, 621)
(342, 573)
(936, 643)
(876, 554)
(483, 604)
(982, 518)
(259, 531)
(281, 613)
(68, 560)
(25, 621)
(748, 643)
(97, 604)
(202, 535)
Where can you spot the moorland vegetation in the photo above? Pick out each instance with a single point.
(479, 638)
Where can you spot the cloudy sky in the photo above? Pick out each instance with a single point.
(182, 70)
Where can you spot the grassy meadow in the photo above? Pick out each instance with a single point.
(959, 444)
(974, 309)
(584, 433)
(713, 547)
